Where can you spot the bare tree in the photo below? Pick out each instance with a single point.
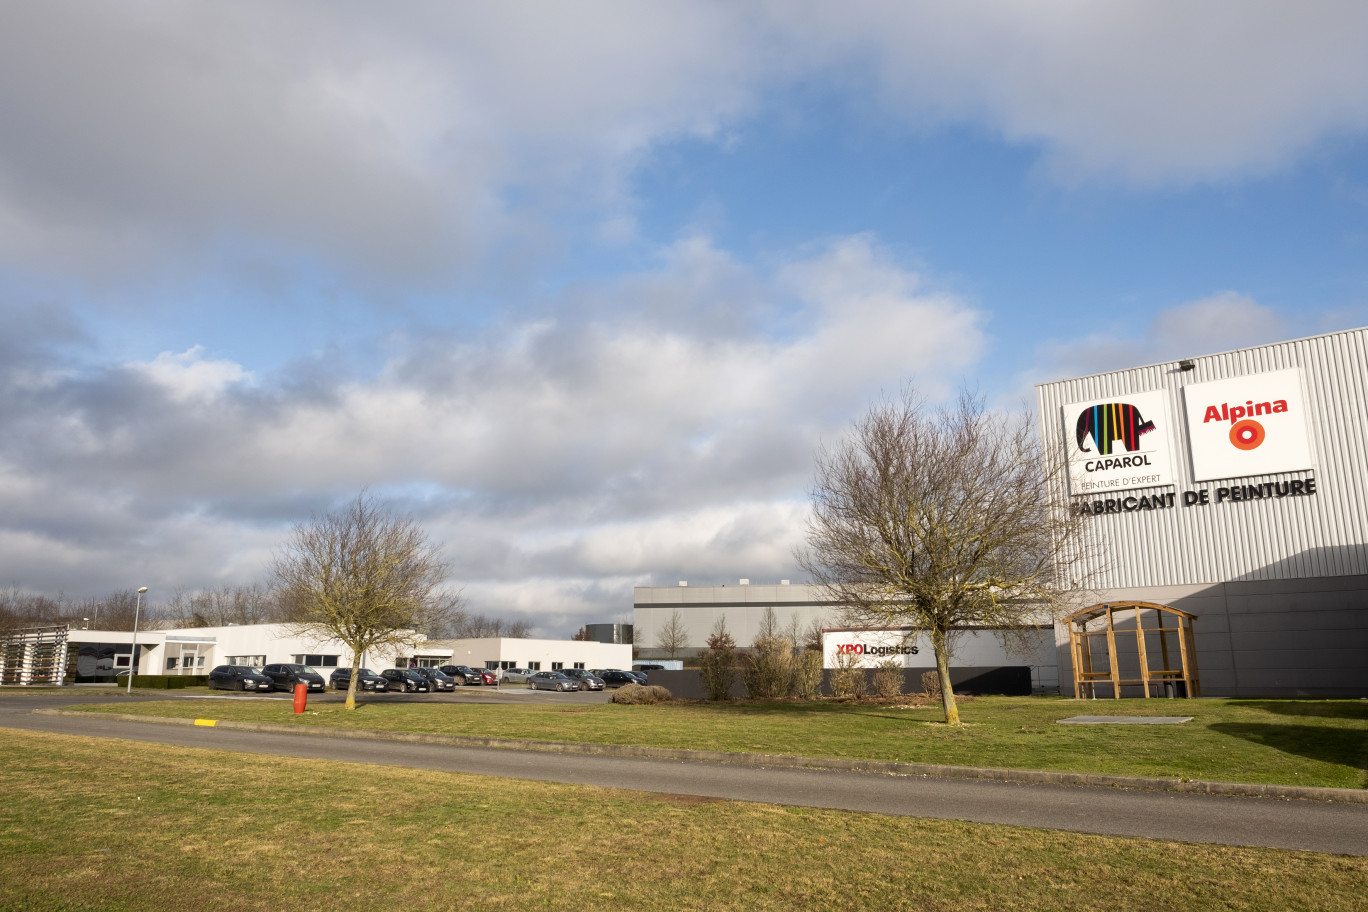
(940, 520)
(581, 635)
(241, 604)
(674, 636)
(364, 576)
(462, 625)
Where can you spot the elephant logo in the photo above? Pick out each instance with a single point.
(1110, 422)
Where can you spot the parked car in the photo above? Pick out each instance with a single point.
(406, 680)
(648, 668)
(238, 677)
(463, 674)
(552, 680)
(437, 678)
(489, 675)
(517, 675)
(587, 680)
(366, 680)
(640, 676)
(285, 676)
(616, 678)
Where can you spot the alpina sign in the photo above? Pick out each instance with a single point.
(1252, 425)
(1120, 443)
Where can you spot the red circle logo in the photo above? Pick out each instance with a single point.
(1247, 434)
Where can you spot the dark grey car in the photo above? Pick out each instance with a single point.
(552, 680)
(238, 677)
(438, 679)
(285, 676)
(406, 680)
(463, 674)
(587, 680)
(366, 680)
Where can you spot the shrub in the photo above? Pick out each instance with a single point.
(717, 667)
(638, 694)
(807, 674)
(888, 680)
(931, 683)
(847, 678)
(768, 671)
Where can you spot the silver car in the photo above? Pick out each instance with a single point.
(552, 680)
(517, 675)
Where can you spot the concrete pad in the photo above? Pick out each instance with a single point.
(1125, 720)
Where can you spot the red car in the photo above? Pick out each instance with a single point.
(490, 675)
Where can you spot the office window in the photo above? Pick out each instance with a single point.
(170, 663)
(534, 666)
(317, 661)
(579, 664)
(557, 666)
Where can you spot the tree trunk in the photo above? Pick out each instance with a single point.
(943, 672)
(351, 684)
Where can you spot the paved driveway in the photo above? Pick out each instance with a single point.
(1310, 825)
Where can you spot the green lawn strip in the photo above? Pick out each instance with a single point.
(1283, 742)
(114, 825)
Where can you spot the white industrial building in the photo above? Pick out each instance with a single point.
(59, 654)
(1233, 487)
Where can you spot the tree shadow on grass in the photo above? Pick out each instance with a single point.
(1327, 709)
(1315, 742)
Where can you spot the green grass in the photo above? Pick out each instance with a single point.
(1288, 742)
(113, 825)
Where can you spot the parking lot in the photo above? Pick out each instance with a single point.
(471, 694)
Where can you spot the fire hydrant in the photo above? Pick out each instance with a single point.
(301, 697)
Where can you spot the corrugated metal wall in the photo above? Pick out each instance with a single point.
(1281, 538)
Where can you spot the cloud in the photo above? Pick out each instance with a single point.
(1220, 322)
(415, 143)
(618, 433)
(1150, 92)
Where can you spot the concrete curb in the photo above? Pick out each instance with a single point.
(779, 761)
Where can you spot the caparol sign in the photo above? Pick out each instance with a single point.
(1119, 444)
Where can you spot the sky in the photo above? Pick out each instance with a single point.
(583, 287)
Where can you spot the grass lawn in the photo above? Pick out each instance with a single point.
(112, 825)
(1288, 742)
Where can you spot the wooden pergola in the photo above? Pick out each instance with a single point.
(1100, 663)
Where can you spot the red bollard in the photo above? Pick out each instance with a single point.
(301, 697)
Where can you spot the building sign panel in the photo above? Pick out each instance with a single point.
(1252, 425)
(1120, 443)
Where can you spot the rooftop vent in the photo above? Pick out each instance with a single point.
(745, 582)
(683, 582)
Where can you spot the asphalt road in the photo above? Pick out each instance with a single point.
(1310, 825)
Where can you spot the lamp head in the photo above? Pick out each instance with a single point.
(142, 590)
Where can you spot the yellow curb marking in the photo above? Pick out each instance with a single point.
(209, 722)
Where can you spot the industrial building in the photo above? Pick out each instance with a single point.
(60, 654)
(1232, 487)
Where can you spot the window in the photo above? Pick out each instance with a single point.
(507, 665)
(557, 666)
(492, 666)
(579, 664)
(254, 661)
(170, 662)
(534, 666)
(121, 661)
(318, 661)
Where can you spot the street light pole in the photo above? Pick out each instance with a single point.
(133, 659)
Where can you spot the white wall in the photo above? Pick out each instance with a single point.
(972, 649)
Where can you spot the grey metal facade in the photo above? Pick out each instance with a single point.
(1280, 583)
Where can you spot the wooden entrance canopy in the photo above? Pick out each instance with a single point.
(1096, 633)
